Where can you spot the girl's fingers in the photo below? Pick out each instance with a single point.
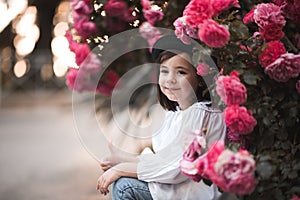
(106, 167)
(104, 163)
(102, 187)
(105, 192)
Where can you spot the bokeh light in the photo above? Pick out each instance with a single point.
(62, 56)
(60, 67)
(27, 31)
(20, 68)
(9, 10)
(59, 46)
(60, 29)
(24, 45)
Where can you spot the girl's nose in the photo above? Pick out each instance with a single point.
(171, 78)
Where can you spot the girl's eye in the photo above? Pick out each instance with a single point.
(181, 72)
(163, 71)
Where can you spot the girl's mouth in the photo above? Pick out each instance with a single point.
(172, 89)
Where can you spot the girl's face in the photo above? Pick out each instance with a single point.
(178, 80)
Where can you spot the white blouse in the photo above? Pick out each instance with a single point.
(161, 169)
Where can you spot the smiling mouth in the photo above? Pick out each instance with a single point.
(172, 89)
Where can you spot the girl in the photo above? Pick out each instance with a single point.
(157, 175)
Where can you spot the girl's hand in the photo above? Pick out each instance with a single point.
(108, 162)
(106, 179)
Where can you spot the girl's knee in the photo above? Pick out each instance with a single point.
(121, 184)
(130, 188)
(121, 187)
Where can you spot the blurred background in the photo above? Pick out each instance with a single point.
(34, 51)
(41, 156)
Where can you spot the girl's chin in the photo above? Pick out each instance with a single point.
(171, 97)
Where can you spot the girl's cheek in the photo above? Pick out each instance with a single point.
(160, 80)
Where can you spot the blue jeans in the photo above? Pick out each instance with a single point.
(130, 189)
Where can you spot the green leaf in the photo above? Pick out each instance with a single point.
(250, 79)
(293, 174)
(286, 145)
(282, 135)
(279, 94)
(265, 170)
(266, 121)
(297, 166)
(293, 112)
(295, 189)
(238, 30)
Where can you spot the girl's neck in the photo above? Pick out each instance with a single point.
(187, 104)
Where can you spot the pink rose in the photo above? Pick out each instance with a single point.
(202, 166)
(233, 136)
(81, 52)
(188, 164)
(213, 34)
(249, 17)
(222, 5)
(72, 43)
(115, 8)
(189, 169)
(271, 32)
(290, 9)
(234, 172)
(278, 2)
(151, 42)
(91, 64)
(268, 13)
(231, 90)
(214, 151)
(146, 4)
(244, 184)
(245, 48)
(71, 77)
(298, 86)
(79, 81)
(197, 12)
(82, 7)
(272, 51)
(77, 16)
(285, 67)
(85, 28)
(183, 31)
(239, 119)
(115, 25)
(295, 198)
(128, 17)
(109, 82)
(148, 31)
(202, 69)
(153, 15)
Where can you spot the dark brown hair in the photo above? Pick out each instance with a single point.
(163, 99)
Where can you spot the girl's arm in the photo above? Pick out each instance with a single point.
(118, 156)
(128, 169)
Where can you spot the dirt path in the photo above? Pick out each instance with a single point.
(41, 157)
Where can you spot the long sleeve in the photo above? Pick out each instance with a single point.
(173, 138)
(162, 167)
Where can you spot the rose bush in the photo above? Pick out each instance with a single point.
(258, 39)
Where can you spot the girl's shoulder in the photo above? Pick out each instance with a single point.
(204, 105)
